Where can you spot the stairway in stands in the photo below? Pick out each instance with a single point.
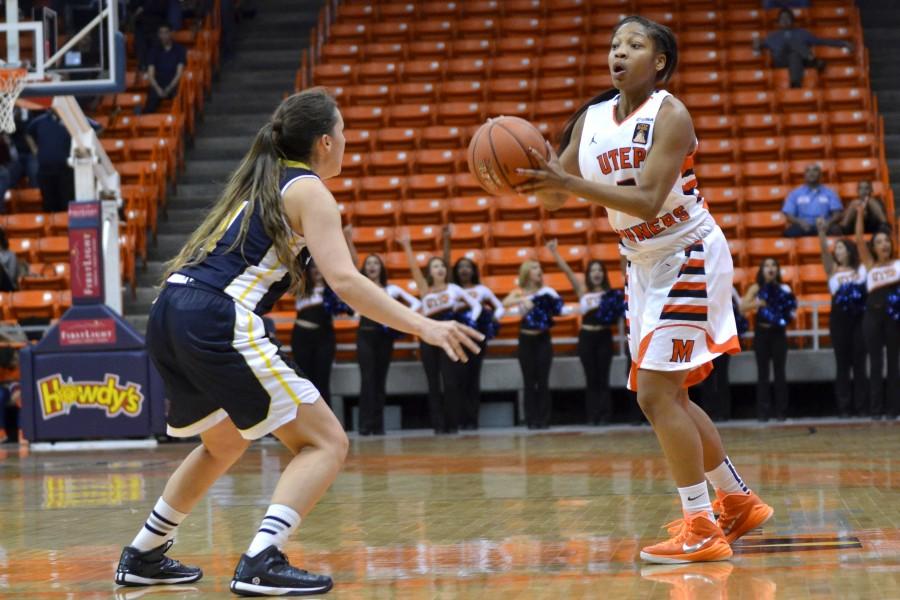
(251, 85)
(881, 23)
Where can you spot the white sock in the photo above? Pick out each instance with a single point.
(276, 527)
(159, 528)
(695, 499)
(725, 477)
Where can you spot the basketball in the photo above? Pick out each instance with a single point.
(501, 146)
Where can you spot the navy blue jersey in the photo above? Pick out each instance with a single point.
(251, 273)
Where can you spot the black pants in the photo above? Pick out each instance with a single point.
(770, 346)
(715, 391)
(595, 350)
(154, 99)
(57, 188)
(374, 347)
(470, 373)
(535, 358)
(849, 355)
(314, 353)
(797, 60)
(880, 331)
(445, 388)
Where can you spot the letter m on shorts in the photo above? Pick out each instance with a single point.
(682, 350)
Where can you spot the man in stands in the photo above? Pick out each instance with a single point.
(791, 47)
(165, 66)
(875, 216)
(809, 202)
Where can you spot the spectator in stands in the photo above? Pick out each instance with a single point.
(809, 202)
(374, 347)
(875, 217)
(50, 142)
(537, 304)
(846, 282)
(10, 395)
(791, 47)
(775, 306)
(27, 164)
(465, 275)
(10, 269)
(601, 310)
(439, 301)
(164, 69)
(147, 16)
(881, 330)
(8, 165)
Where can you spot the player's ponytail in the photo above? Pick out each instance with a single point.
(663, 41)
(290, 135)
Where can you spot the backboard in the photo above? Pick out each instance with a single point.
(74, 50)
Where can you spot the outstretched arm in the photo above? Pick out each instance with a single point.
(418, 277)
(495, 302)
(552, 245)
(474, 305)
(673, 140)
(827, 261)
(445, 244)
(348, 235)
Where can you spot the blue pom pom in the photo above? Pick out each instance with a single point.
(780, 305)
(540, 317)
(893, 304)
(612, 307)
(487, 325)
(851, 298)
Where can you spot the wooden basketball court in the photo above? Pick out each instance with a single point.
(489, 517)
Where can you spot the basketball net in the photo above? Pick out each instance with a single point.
(11, 83)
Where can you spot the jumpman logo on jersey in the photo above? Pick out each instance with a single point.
(593, 139)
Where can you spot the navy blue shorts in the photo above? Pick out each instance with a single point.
(217, 362)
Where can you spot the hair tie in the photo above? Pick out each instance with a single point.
(277, 125)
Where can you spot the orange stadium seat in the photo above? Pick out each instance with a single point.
(470, 235)
(349, 33)
(34, 304)
(851, 121)
(808, 147)
(517, 208)
(743, 57)
(574, 207)
(430, 186)
(717, 151)
(567, 231)
(799, 100)
(372, 239)
(358, 140)
(25, 225)
(813, 123)
(434, 30)
(376, 213)
(470, 209)
(465, 184)
(476, 27)
(506, 261)
(742, 278)
(562, 285)
(515, 233)
(574, 256)
(782, 249)
(334, 74)
(765, 224)
(853, 145)
(809, 251)
(765, 197)
(706, 39)
(731, 224)
(738, 249)
(428, 50)
(421, 237)
(437, 161)
(722, 199)
(843, 75)
(58, 223)
(853, 169)
(442, 10)
(462, 91)
(427, 70)
(415, 92)
(849, 98)
(559, 65)
(608, 253)
(753, 102)
(472, 48)
(390, 162)
(763, 173)
(461, 113)
(501, 285)
(397, 138)
(797, 170)
(354, 164)
(387, 187)
(25, 200)
(423, 212)
(342, 53)
(510, 89)
(761, 148)
(371, 94)
(749, 80)
(52, 249)
(410, 115)
(603, 231)
(813, 279)
(759, 125)
(563, 43)
(343, 188)
(721, 174)
(363, 117)
(706, 104)
(714, 127)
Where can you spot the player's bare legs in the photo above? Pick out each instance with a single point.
(713, 450)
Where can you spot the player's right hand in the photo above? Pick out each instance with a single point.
(454, 337)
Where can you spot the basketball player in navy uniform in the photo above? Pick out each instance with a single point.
(225, 380)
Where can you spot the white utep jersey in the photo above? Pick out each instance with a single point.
(483, 296)
(880, 276)
(435, 303)
(839, 278)
(614, 153)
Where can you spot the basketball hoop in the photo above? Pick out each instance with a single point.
(11, 83)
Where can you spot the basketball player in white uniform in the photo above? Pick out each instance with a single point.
(631, 151)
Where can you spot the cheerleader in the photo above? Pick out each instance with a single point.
(846, 282)
(537, 304)
(465, 275)
(439, 298)
(879, 328)
(374, 346)
(601, 309)
(775, 304)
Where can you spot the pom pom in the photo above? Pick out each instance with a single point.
(780, 305)
(893, 304)
(612, 307)
(740, 321)
(540, 317)
(851, 298)
(487, 325)
(334, 305)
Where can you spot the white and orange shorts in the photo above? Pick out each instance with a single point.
(680, 315)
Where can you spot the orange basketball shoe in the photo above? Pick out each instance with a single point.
(740, 513)
(697, 540)
(693, 581)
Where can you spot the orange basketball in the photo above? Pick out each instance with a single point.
(501, 146)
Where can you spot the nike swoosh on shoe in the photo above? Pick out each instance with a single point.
(689, 549)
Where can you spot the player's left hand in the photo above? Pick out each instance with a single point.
(549, 177)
